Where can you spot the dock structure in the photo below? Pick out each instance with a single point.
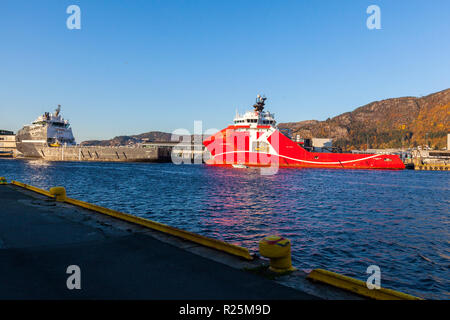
(148, 152)
(432, 167)
(105, 154)
(193, 152)
(42, 240)
(431, 160)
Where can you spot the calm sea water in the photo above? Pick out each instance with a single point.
(341, 220)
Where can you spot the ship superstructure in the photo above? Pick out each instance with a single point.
(255, 140)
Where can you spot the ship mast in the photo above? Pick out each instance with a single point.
(260, 102)
(58, 110)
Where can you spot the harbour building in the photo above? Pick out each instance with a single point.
(7, 143)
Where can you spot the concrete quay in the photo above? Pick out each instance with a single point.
(105, 154)
(40, 238)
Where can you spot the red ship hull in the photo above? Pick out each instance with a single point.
(264, 146)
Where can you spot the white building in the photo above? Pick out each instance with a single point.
(7, 142)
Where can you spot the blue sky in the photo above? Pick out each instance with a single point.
(137, 66)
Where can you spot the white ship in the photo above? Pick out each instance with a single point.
(48, 130)
(50, 137)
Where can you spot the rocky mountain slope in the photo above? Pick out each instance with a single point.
(385, 124)
(152, 136)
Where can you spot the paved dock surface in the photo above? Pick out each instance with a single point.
(39, 239)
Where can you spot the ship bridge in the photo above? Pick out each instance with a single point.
(54, 118)
(257, 117)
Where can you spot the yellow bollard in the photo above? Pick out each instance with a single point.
(3, 180)
(59, 193)
(278, 250)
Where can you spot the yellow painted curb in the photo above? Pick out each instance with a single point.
(27, 186)
(357, 286)
(205, 241)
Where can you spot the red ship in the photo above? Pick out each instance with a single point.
(255, 141)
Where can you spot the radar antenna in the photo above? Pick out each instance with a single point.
(260, 102)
